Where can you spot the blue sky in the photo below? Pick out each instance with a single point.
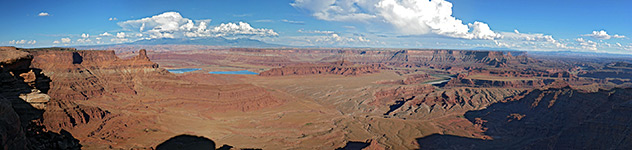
(535, 25)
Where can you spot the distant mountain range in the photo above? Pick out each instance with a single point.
(559, 53)
(214, 41)
(577, 54)
(252, 43)
(493, 49)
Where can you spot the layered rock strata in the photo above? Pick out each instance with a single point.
(337, 68)
(22, 100)
(85, 89)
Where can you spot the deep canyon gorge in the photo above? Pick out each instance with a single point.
(311, 98)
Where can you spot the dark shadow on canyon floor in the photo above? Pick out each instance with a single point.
(549, 119)
(187, 142)
(351, 145)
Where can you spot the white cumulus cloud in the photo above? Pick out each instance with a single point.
(535, 37)
(85, 35)
(616, 36)
(84, 40)
(112, 19)
(119, 40)
(17, 42)
(603, 35)
(65, 40)
(42, 14)
(481, 30)
(105, 34)
(173, 25)
(293, 22)
(529, 41)
(415, 17)
(22, 42)
(239, 29)
(587, 44)
(121, 35)
(331, 39)
(315, 31)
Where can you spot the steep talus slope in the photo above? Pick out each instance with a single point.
(554, 118)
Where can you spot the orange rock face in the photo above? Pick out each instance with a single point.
(22, 103)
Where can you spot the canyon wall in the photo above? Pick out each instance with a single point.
(553, 118)
(337, 68)
(23, 99)
(96, 96)
(444, 59)
(462, 80)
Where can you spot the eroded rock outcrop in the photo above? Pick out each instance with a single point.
(462, 80)
(22, 103)
(65, 114)
(83, 86)
(85, 74)
(338, 68)
(42, 86)
(528, 73)
(426, 101)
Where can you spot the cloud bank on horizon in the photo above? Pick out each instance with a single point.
(171, 25)
(434, 17)
(367, 23)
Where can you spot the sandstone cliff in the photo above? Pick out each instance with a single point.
(85, 74)
(22, 103)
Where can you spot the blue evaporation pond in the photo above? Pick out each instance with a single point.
(233, 72)
(183, 70)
